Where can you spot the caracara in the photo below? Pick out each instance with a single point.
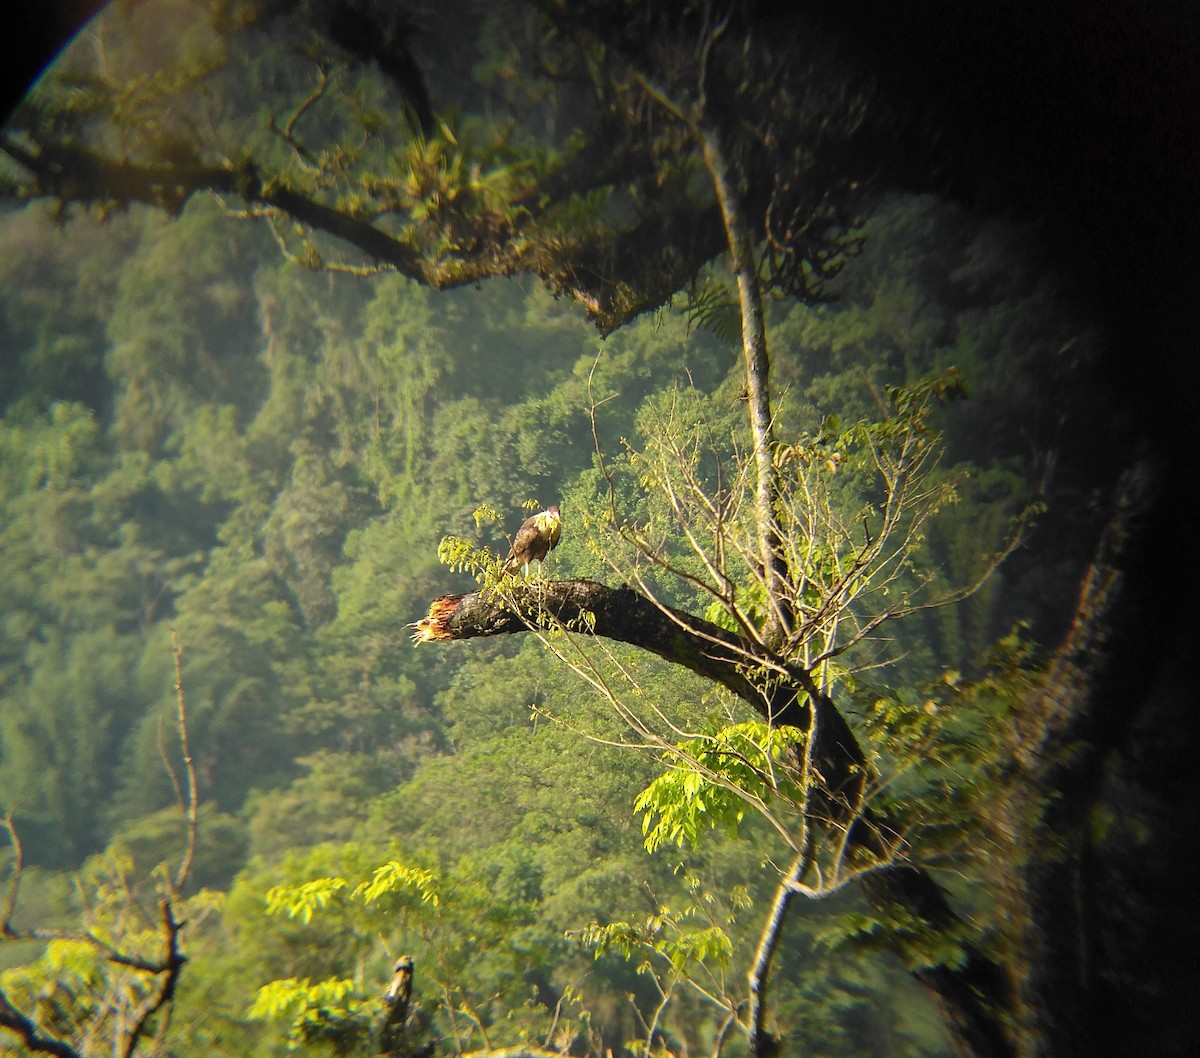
(536, 538)
(399, 992)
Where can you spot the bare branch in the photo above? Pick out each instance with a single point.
(36, 1041)
(14, 879)
(288, 132)
(615, 613)
(190, 806)
(760, 1042)
(168, 977)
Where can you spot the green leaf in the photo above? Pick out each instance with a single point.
(714, 778)
(302, 901)
(393, 877)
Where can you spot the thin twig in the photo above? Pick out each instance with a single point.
(14, 880)
(190, 808)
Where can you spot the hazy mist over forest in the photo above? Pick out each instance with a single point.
(304, 309)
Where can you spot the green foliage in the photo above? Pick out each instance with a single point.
(710, 944)
(461, 556)
(87, 982)
(196, 436)
(394, 880)
(331, 1011)
(158, 838)
(715, 307)
(921, 947)
(64, 986)
(467, 927)
(391, 880)
(302, 900)
(716, 779)
(752, 604)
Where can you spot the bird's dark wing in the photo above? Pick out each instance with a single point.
(524, 544)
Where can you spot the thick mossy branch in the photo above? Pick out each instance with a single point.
(620, 614)
(614, 275)
(781, 693)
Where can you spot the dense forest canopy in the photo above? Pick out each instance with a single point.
(851, 367)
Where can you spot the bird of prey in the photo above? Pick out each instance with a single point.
(536, 538)
(399, 992)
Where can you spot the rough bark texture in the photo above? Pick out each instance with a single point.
(620, 614)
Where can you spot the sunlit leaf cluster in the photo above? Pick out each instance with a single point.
(716, 780)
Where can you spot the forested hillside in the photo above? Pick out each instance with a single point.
(235, 470)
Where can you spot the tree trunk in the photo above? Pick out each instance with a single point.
(758, 389)
(1060, 751)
